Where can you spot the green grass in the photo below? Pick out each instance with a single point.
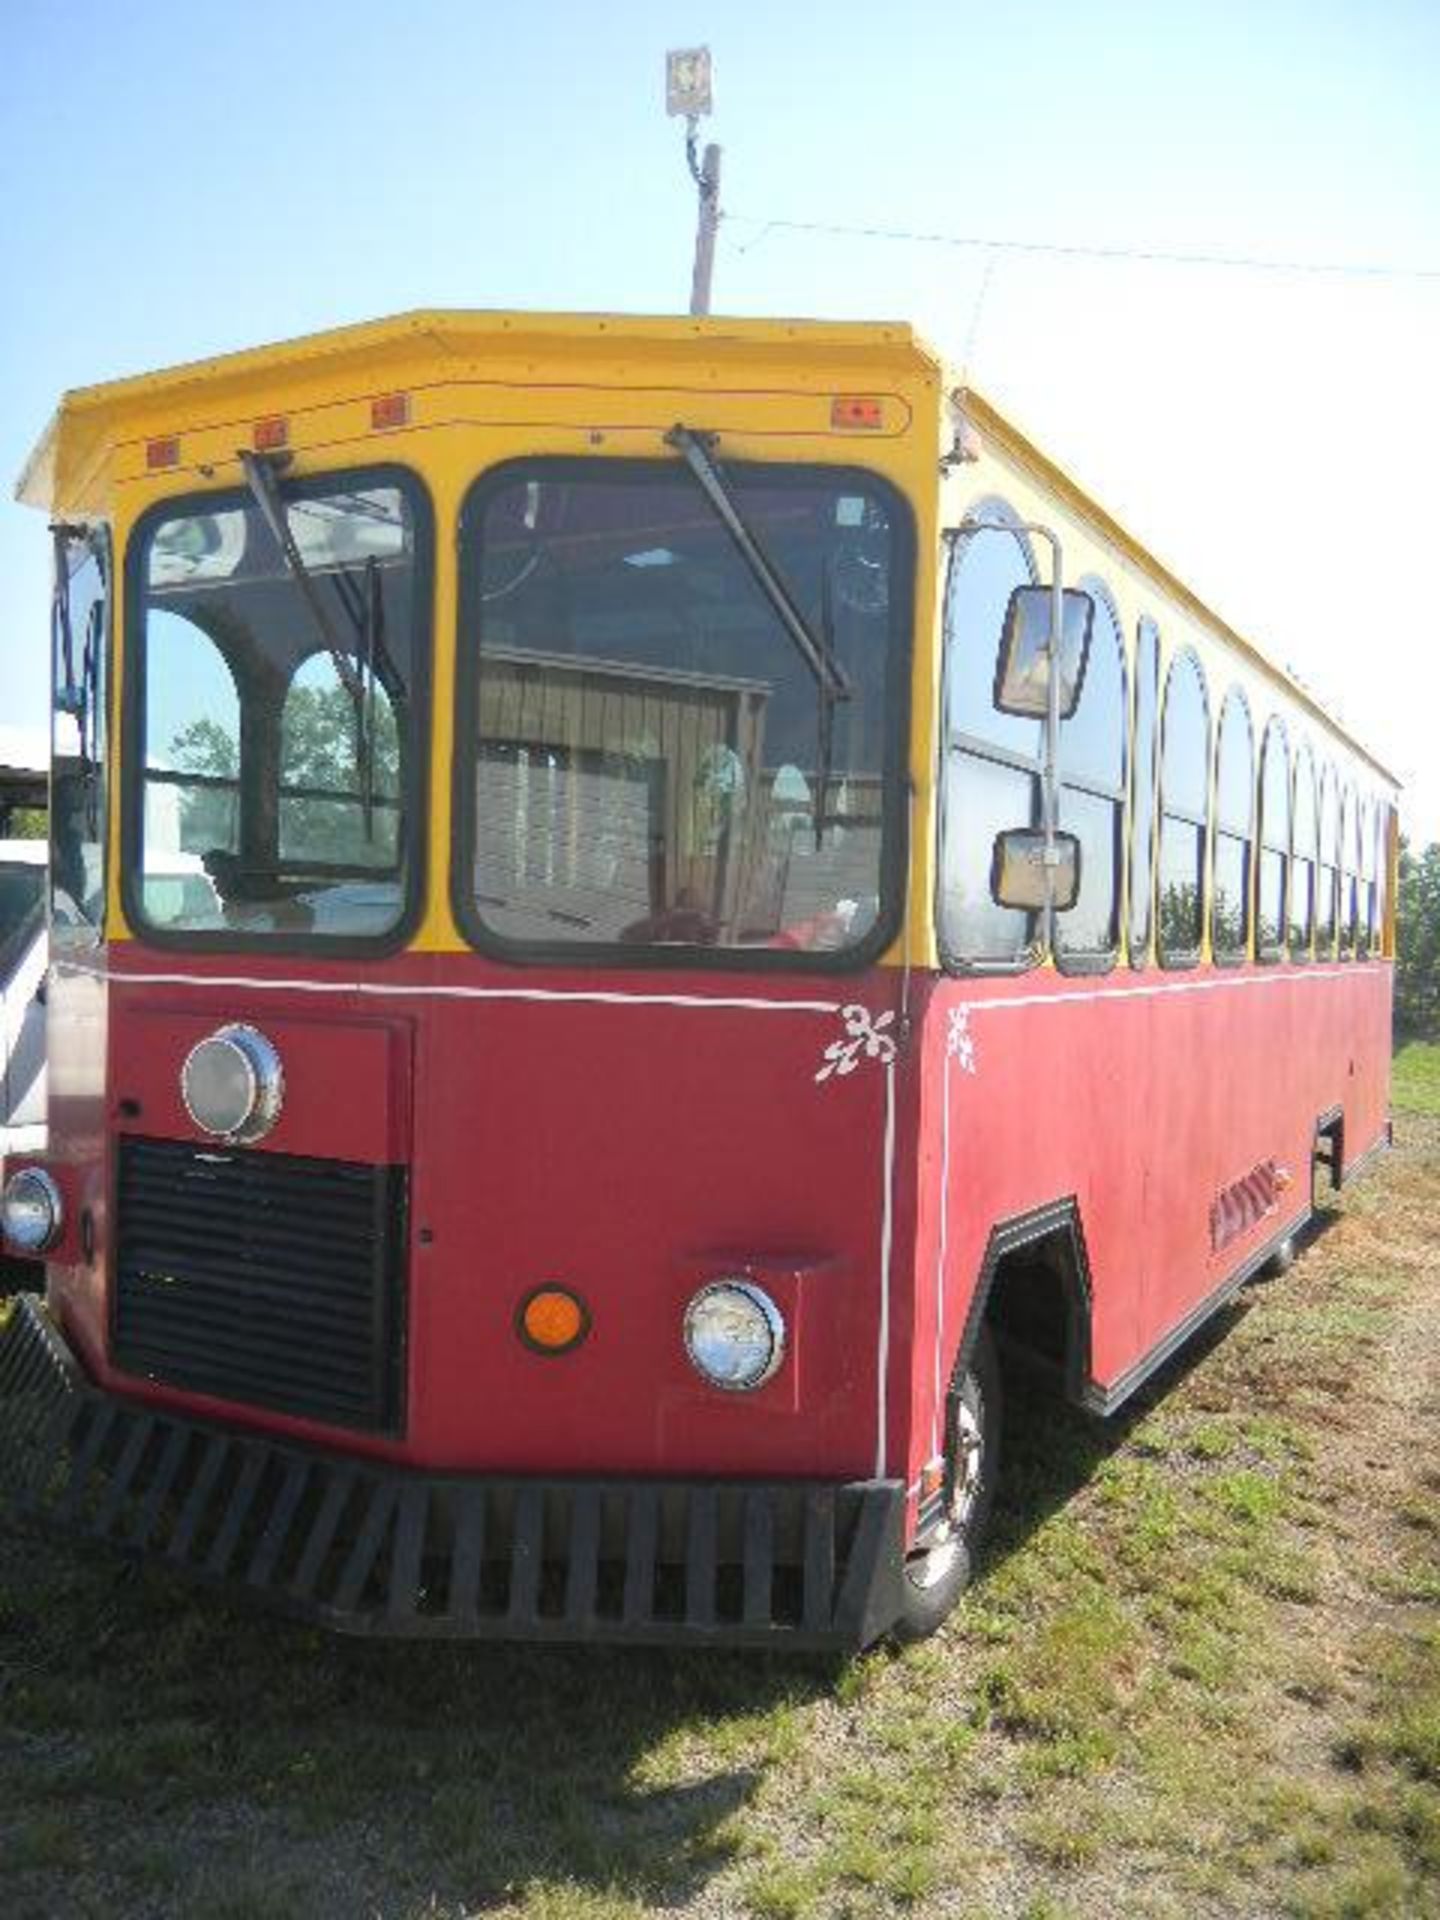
(1199, 1676)
(1416, 1083)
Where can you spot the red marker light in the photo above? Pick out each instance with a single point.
(162, 453)
(857, 410)
(390, 410)
(271, 434)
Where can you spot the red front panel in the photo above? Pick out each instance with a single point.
(628, 1136)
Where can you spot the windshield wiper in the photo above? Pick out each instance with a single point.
(830, 676)
(816, 650)
(261, 479)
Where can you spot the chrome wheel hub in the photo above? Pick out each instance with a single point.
(930, 1564)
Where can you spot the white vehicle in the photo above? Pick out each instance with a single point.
(23, 955)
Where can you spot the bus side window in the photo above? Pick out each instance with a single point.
(1348, 847)
(1379, 941)
(1184, 783)
(1234, 824)
(992, 759)
(80, 639)
(1092, 793)
(1142, 791)
(1274, 844)
(1304, 850)
(1329, 869)
(1365, 926)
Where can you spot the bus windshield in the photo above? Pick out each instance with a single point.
(273, 699)
(651, 761)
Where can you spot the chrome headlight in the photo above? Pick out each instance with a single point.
(734, 1334)
(30, 1210)
(232, 1084)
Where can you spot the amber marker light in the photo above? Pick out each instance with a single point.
(162, 453)
(272, 434)
(389, 410)
(857, 410)
(552, 1320)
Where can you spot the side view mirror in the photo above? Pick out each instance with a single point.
(1017, 870)
(1022, 671)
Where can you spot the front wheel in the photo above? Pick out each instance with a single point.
(937, 1573)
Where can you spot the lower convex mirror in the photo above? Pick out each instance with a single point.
(1022, 672)
(1018, 869)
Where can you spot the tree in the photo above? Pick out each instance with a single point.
(1417, 943)
(322, 815)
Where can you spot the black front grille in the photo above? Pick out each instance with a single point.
(263, 1278)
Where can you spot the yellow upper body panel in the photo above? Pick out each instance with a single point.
(482, 387)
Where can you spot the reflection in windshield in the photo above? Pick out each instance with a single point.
(22, 909)
(274, 769)
(649, 753)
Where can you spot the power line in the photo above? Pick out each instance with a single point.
(1250, 263)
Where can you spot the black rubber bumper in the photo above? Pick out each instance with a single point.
(366, 1548)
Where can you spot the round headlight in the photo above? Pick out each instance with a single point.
(734, 1334)
(232, 1084)
(30, 1211)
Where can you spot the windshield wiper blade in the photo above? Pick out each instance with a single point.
(830, 676)
(260, 479)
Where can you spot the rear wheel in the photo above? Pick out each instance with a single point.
(938, 1571)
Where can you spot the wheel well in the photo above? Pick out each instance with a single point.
(1034, 1292)
(1328, 1152)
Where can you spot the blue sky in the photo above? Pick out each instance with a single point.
(184, 180)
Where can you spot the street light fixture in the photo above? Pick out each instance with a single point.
(688, 93)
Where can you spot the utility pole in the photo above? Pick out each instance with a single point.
(687, 92)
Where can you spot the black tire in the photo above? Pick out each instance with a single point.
(1281, 1260)
(936, 1574)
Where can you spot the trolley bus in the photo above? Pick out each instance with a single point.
(638, 907)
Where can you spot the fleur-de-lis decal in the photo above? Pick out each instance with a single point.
(866, 1039)
(960, 1042)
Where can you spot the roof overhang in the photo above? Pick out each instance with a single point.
(91, 420)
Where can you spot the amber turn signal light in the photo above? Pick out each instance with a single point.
(552, 1320)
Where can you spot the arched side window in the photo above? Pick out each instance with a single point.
(1184, 784)
(1092, 793)
(1365, 926)
(1327, 901)
(1349, 885)
(992, 759)
(1304, 855)
(1234, 830)
(1142, 791)
(1274, 844)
